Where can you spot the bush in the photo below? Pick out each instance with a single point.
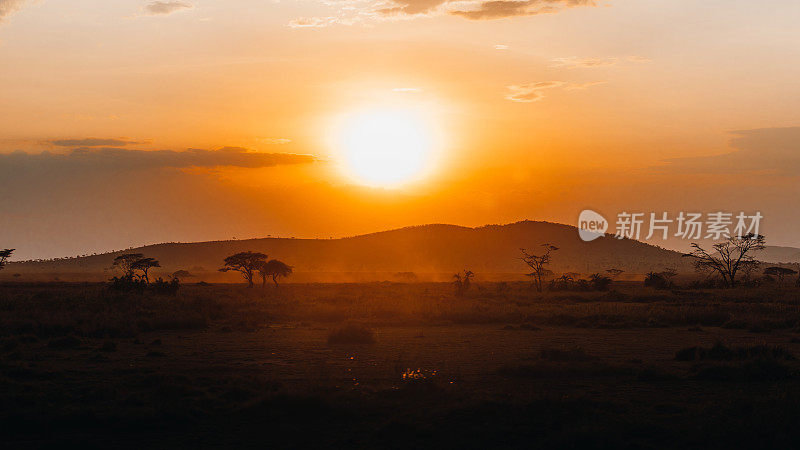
(127, 284)
(657, 281)
(351, 333)
(166, 287)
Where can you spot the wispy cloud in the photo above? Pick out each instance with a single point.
(166, 7)
(582, 86)
(352, 12)
(275, 141)
(534, 92)
(531, 92)
(573, 62)
(9, 6)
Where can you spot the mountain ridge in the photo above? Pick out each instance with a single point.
(440, 249)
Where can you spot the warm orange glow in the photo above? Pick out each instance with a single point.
(385, 147)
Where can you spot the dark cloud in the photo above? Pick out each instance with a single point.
(169, 7)
(9, 6)
(98, 160)
(92, 142)
(770, 150)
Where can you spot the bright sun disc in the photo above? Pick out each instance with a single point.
(386, 147)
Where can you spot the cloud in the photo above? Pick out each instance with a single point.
(164, 8)
(407, 89)
(534, 92)
(275, 141)
(572, 62)
(770, 150)
(107, 159)
(9, 6)
(531, 92)
(364, 11)
(582, 86)
(92, 142)
(501, 47)
(639, 59)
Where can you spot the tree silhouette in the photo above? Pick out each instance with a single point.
(779, 272)
(245, 263)
(273, 268)
(458, 283)
(131, 263)
(614, 273)
(538, 263)
(181, 274)
(144, 265)
(125, 263)
(4, 255)
(728, 258)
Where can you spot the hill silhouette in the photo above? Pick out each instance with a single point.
(430, 251)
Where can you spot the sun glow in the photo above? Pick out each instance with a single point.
(387, 147)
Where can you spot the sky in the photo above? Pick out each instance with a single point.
(134, 122)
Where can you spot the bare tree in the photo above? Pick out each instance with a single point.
(273, 268)
(245, 263)
(729, 257)
(4, 255)
(538, 263)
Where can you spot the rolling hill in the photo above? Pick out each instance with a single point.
(429, 251)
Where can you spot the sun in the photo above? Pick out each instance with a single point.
(386, 147)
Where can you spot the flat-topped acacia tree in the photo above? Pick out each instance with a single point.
(273, 268)
(245, 263)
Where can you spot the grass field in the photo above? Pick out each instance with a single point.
(398, 365)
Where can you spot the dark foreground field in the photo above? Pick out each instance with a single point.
(226, 366)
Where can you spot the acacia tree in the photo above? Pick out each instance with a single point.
(537, 263)
(4, 255)
(729, 257)
(144, 265)
(273, 268)
(245, 263)
(126, 263)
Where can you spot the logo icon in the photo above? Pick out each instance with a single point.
(591, 225)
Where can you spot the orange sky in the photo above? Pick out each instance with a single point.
(544, 108)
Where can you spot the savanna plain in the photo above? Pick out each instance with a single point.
(393, 365)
